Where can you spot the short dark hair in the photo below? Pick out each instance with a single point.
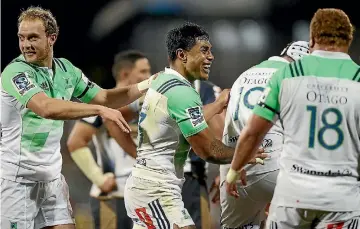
(184, 37)
(125, 59)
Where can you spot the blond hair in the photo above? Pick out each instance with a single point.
(44, 15)
(331, 27)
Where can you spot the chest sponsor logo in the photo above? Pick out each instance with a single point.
(328, 173)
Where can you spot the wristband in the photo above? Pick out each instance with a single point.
(259, 161)
(232, 176)
(145, 84)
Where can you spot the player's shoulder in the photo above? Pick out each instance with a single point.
(169, 84)
(274, 62)
(18, 67)
(64, 64)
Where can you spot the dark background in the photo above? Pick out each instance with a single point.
(243, 33)
(94, 56)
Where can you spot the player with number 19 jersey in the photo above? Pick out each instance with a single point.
(244, 94)
(319, 169)
(171, 112)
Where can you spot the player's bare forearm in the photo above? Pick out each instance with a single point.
(58, 109)
(245, 151)
(249, 141)
(219, 153)
(206, 146)
(212, 109)
(80, 136)
(216, 125)
(117, 97)
(123, 139)
(63, 110)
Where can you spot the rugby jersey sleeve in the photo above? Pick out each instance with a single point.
(268, 104)
(85, 90)
(19, 81)
(185, 107)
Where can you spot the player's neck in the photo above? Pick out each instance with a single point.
(343, 49)
(180, 69)
(47, 62)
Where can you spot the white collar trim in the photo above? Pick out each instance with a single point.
(278, 58)
(173, 72)
(330, 55)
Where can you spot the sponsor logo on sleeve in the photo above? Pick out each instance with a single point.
(195, 115)
(22, 83)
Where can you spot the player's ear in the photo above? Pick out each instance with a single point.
(52, 38)
(124, 73)
(311, 44)
(181, 55)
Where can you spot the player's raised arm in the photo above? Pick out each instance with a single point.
(124, 140)
(121, 96)
(18, 81)
(218, 106)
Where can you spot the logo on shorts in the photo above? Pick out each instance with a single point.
(195, 115)
(13, 225)
(267, 143)
(185, 214)
(141, 161)
(22, 83)
(335, 225)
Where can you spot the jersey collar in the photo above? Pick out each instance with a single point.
(173, 72)
(22, 58)
(330, 55)
(278, 58)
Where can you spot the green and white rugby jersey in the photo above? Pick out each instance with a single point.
(171, 112)
(244, 95)
(318, 101)
(30, 144)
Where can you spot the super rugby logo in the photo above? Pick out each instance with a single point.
(22, 83)
(195, 115)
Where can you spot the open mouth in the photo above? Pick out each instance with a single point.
(206, 68)
(29, 54)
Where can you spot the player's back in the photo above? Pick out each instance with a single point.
(164, 123)
(244, 94)
(320, 111)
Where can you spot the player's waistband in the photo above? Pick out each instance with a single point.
(241, 227)
(162, 176)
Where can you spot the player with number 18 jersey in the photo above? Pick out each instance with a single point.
(261, 178)
(320, 169)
